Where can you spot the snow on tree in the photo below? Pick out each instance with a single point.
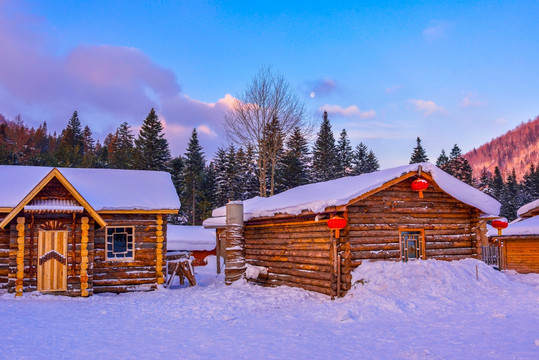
(324, 153)
(511, 198)
(293, 169)
(419, 154)
(151, 148)
(273, 147)
(193, 176)
(344, 155)
(530, 185)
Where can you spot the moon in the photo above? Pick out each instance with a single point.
(313, 94)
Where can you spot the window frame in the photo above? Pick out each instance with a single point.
(422, 255)
(107, 258)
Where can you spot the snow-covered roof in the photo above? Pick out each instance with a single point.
(189, 238)
(534, 205)
(528, 226)
(103, 189)
(318, 196)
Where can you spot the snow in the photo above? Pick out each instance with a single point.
(318, 196)
(528, 226)
(103, 189)
(530, 206)
(415, 310)
(54, 205)
(190, 238)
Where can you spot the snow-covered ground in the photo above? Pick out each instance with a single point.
(416, 310)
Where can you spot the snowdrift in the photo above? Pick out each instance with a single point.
(431, 285)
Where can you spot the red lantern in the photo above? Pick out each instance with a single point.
(499, 225)
(336, 224)
(420, 185)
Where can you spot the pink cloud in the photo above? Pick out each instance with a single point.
(350, 111)
(106, 84)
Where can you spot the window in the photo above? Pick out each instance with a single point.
(120, 243)
(412, 245)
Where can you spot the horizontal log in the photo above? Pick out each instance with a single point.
(276, 282)
(299, 280)
(118, 274)
(293, 246)
(124, 282)
(300, 273)
(384, 254)
(124, 288)
(299, 253)
(290, 265)
(291, 259)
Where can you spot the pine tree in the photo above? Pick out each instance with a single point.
(121, 156)
(151, 147)
(249, 174)
(220, 162)
(273, 148)
(485, 181)
(442, 160)
(344, 155)
(419, 154)
(176, 171)
(71, 144)
(511, 199)
(89, 159)
(208, 202)
(359, 160)
(371, 163)
(193, 175)
(293, 169)
(458, 166)
(530, 185)
(498, 185)
(324, 159)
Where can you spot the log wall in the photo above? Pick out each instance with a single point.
(129, 275)
(296, 253)
(451, 228)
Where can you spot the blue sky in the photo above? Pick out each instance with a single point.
(450, 72)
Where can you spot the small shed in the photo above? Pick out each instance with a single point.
(194, 240)
(519, 242)
(286, 237)
(78, 232)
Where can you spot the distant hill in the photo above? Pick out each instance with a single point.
(516, 149)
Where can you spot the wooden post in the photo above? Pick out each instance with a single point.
(32, 224)
(159, 250)
(73, 245)
(20, 257)
(83, 255)
(218, 250)
(235, 244)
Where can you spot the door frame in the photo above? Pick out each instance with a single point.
(421, 244)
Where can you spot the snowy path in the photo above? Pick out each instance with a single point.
(438, 311)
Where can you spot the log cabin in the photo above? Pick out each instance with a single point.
(518, 245)
(385, 218)
(77, 232)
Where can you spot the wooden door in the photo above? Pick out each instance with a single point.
(52, 261)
